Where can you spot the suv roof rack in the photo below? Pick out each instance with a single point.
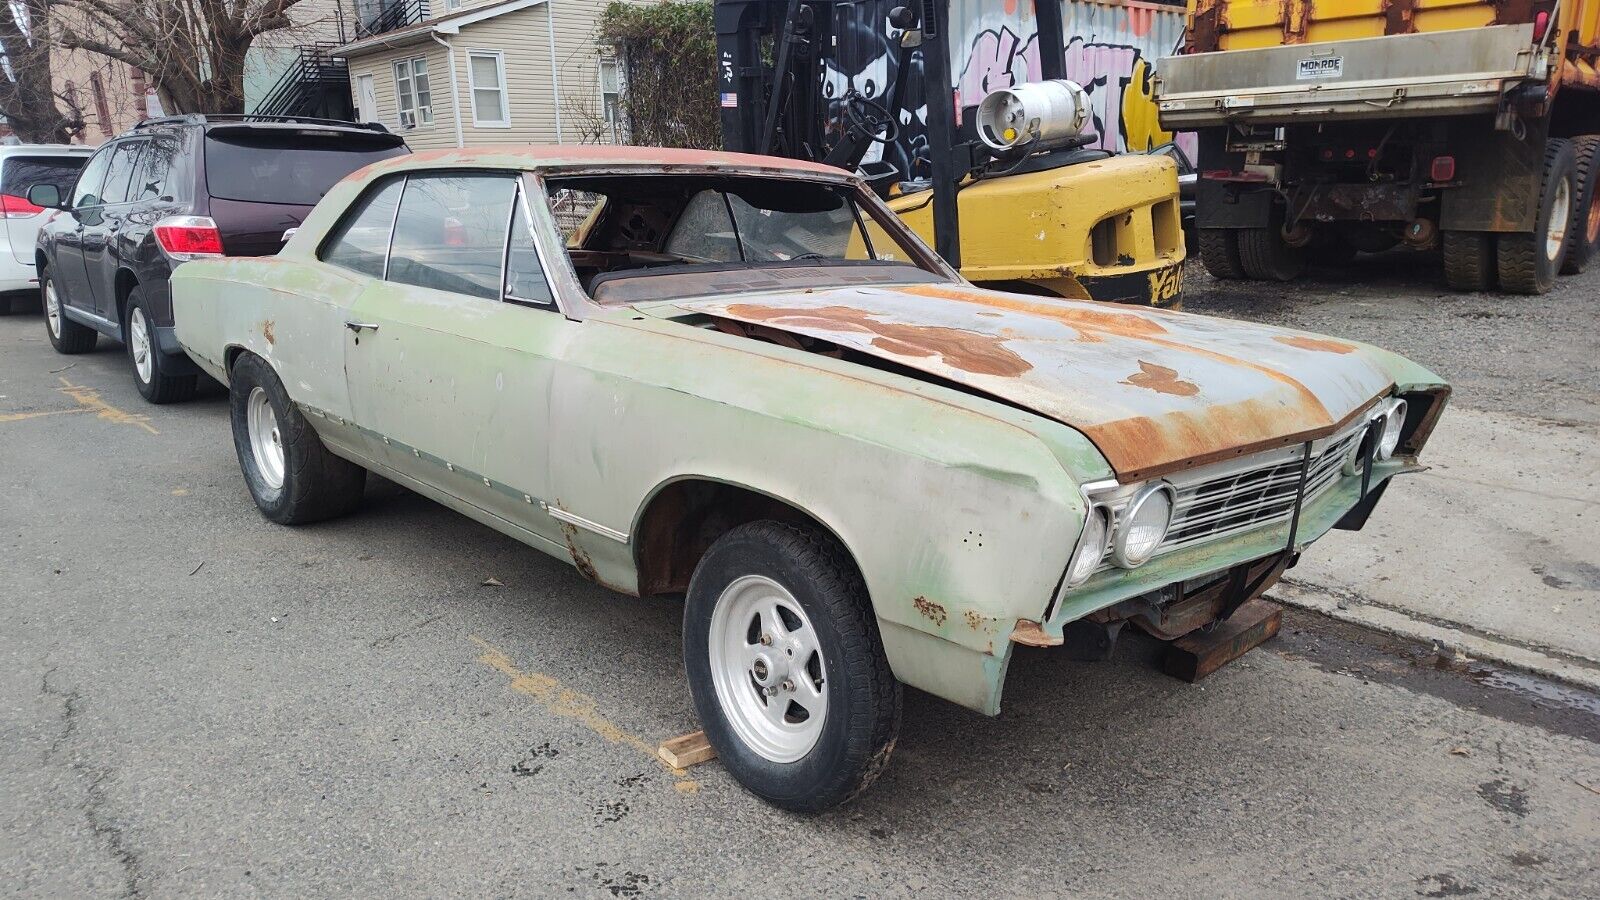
(247, 118)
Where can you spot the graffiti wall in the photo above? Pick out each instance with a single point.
(1111, 49)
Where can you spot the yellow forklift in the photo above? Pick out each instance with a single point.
(1008, 190)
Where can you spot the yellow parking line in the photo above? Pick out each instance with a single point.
(579, 707)
(18, 417)
(89, 399)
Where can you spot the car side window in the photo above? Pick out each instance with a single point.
(525, 281)
(450, 233)
(155, 165)
(360, 243)
(124, 159)
(86, 192)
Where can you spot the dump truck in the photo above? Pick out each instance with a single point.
(1344, 126)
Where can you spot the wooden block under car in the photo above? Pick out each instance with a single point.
(1197, 654)
(686, 750)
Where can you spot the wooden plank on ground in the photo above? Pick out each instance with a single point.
(1197, 654)
(686, 750)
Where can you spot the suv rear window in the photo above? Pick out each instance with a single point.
(295, 168)
(20, 173)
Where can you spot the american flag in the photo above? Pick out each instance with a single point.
(730, 100)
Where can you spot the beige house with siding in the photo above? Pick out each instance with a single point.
(497, 72)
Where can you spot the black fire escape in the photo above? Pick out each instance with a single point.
(317, 81)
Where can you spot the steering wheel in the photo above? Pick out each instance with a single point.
(870, 118)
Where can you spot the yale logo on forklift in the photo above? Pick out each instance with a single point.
(1166, 285)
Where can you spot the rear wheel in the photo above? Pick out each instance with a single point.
(66, 335)
(149, 363)
(1469, 260)
(1266, 256)
(1529, 261)
(293, 478)
(1583, 232)
(786, 667)
(1219, 251)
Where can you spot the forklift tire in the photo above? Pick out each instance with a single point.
(1529, 261)
(1469, 260)
(1583, 235)
(1219, 251)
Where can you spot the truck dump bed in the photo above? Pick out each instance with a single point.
(1297, 60)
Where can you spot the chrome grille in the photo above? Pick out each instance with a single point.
(1239, 501)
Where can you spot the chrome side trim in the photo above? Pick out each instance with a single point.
(99, 323)
(562, 515)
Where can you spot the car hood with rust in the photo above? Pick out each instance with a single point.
(1156, 391)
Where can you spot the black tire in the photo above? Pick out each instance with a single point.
(316, 484)
(863, 697)
(1583, 234)
(1525, 263)
(1468, 260)
(1265, 255)
(1219, 252)
(160, 387)
(66, 336)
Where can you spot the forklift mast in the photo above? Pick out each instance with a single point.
(771, 58)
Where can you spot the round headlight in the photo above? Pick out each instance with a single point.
(1091, 547)
(1143, 526)
(1393, 424)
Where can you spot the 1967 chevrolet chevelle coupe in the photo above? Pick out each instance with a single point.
(740, 379)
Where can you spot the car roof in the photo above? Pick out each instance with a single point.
(602, 156)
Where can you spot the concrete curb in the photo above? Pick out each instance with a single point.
(1581, 673)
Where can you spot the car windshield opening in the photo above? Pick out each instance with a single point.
(634, 238)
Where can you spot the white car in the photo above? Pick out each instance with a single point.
(21, 167)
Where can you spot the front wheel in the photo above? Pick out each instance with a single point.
(291, 475)
(786, 667)
(66, 336)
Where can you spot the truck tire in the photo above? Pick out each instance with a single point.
(786, 668)
(1583, 235)
(1219, 252)
(292, 476)
(1529, 261)
(1265, 255)
(1468, 260)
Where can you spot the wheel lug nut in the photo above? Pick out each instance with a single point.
(766, 639)
(787, 685)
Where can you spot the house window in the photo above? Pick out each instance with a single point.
(486, 75)
(411, 93)
(610, 98)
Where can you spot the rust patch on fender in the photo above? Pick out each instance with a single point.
(266, 332)
(1318, 344)
(932, 610)
(580, 559)
(974, 621)
(969, 351)
(1161, 380)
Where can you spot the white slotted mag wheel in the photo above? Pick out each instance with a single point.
(767, 668)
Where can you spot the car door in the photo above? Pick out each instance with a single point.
(449, 358)
(103, 240)
(66, 262)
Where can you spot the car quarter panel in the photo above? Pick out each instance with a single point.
(961, 520)
(288, 312)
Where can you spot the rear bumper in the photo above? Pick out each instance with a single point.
(17, 276)
(1394, 76)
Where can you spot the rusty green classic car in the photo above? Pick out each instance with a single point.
(741, 380)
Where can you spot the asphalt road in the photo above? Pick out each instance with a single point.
(198, 702)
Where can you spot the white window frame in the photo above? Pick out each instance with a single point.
(405, 72)
(499, 57)
(613, 123)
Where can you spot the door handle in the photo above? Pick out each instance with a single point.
(359, 327)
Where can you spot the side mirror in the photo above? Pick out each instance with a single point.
(46, 195)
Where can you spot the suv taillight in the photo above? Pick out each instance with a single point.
(18, 207)
(189, 237)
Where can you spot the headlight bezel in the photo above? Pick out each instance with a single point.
(1123, 531)
(1392, 431)
(1101, 519)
